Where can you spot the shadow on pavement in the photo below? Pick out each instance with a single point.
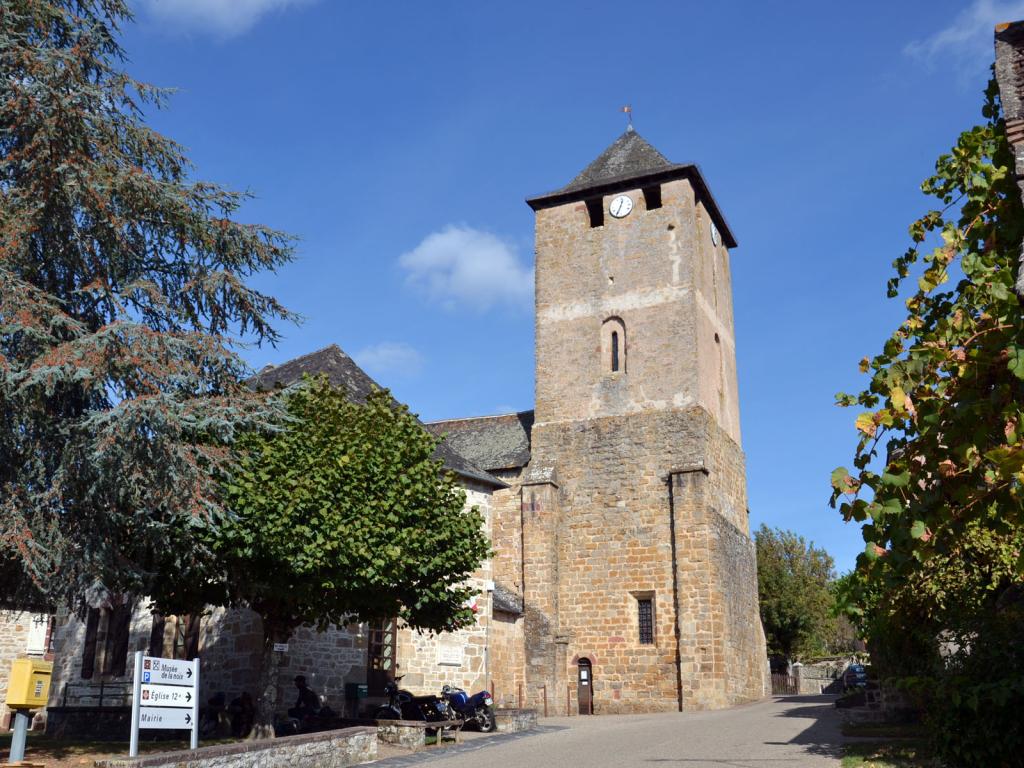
(824, 736)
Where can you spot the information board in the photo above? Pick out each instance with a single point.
(165, 697)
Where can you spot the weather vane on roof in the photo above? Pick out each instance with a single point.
(628, 109)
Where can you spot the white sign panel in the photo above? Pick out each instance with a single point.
(281, 647)
(166, 696)
(168, 671)
(165, 718)
(450, 654)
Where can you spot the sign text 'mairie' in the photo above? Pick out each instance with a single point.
(165, 718)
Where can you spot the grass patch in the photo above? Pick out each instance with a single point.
(63, 752)
(888, 755)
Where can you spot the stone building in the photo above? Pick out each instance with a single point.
(92, 671)
(624, 576)
(23, 635)
(622, 542)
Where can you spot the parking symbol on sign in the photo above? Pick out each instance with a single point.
(145, 677)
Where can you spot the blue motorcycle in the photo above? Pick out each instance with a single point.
(476, 710)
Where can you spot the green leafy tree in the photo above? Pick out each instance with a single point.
(793, 584)
(938, 474)
(941, 442)
(122, 285)
(345, 516)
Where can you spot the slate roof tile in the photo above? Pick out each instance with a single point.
(490, 442)
(343, 372)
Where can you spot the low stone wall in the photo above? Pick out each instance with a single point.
(330, 749)
(515, 720)
(410, 734)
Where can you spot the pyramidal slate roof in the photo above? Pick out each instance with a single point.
(631, 161)
(343, 372)
(629, 156)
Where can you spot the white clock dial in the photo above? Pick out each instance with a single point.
(715, 237)
(621, 206)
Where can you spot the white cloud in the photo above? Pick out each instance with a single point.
(390, 358)
(225, 17)
(462, 266)
(969, 38)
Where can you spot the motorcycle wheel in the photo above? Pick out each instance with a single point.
(485, 720)
(385, 713)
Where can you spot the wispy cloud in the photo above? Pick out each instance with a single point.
(221, 17)
(390, 358)
(967, 41)
(461, 266)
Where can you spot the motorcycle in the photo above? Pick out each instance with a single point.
(476, 710)
(402, 705)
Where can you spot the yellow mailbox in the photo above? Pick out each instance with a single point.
(29, 683)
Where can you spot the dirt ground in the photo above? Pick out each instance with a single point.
(59, 753)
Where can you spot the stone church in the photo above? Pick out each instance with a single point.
(623, 577)
(624, 529)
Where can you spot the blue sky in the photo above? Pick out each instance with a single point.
(399, 139)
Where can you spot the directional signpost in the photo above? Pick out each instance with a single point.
(166, 696)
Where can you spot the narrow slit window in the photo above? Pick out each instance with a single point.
(595, 209)
(645, 616)
(615, 351)
(652, 197)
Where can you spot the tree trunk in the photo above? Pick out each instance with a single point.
(267, 690)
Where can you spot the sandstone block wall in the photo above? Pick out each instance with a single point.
(332, 749)
(15, 628)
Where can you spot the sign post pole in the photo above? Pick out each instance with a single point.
(195, 707)
(133, 747)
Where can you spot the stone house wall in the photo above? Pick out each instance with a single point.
(231, 643)
(460, 658)
(19, 639)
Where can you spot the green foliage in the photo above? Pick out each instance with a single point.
(942, 520)
(121, 286)
(793, 584)
(345, 515)
(945, 395)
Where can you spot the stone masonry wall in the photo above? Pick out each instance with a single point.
(460, 658)
(507, 637)
(15, 627)
(231, 643)
(331, 749)
(613, 440)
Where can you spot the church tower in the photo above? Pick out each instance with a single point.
(639, 578)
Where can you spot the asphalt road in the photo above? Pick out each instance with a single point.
(799, 731)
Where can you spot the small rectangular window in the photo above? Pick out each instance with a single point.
(645, 615)
(652, 197)
(595, 209)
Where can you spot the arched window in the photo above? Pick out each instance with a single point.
(613, 345)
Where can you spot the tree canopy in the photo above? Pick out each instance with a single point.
(794, 588)
(938, 472)
(122, 297)
(345, 516)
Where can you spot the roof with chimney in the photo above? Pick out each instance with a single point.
(343, 372)
(628, 163)
(491, 442)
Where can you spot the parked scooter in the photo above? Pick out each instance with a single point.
(477, 710)
(402, 705)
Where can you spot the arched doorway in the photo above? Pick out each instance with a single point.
(585, 687)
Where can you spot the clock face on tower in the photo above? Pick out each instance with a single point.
(621, 206)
